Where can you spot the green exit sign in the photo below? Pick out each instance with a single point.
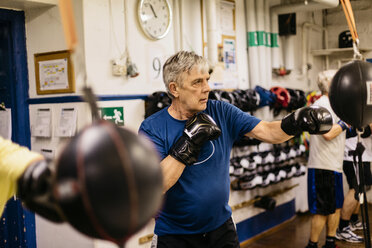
(113, 114)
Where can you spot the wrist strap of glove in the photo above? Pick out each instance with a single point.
(342, 125)
(185, 151)
(288, 125)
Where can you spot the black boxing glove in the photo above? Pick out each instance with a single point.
(34, 187)
(366, 132)
(313, 119)
(198, 129)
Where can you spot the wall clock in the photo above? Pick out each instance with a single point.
(155, 18)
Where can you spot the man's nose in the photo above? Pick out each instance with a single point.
(206, 87)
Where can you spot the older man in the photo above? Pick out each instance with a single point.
(194, 137)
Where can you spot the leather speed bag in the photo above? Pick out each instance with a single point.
(350, 93)
(108, 182)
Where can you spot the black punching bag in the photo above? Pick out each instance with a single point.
(350, 93)
(108, 182)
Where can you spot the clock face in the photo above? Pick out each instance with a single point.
(155, 17)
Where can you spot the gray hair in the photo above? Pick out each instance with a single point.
(324, 80)
(179, 63)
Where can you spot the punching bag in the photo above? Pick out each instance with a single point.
(108, 182)
(350, 93)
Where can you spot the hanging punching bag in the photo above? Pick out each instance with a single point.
(108, 182)
(350, 93)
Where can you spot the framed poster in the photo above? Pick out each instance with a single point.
(54, 73)
(229, 52)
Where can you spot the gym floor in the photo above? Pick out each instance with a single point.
(295, 234)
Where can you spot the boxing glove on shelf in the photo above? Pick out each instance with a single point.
(313, 119)
(198, 129)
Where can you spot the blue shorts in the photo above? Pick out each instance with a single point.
(325, 191)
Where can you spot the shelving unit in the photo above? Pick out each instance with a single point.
(338, 51)
(344, 55)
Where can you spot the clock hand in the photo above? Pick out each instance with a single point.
(153, 11)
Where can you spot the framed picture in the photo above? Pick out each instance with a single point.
(54, 73)
(229, 52)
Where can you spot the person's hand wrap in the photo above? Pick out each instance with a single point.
(343, 125)
(313, 119)
(198, 129)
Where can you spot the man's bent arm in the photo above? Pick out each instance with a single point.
(172, 170)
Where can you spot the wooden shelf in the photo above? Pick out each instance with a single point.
(335, 51)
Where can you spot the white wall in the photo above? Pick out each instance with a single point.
(50, 235)
(101, 33)
(297, 79)
(44, 33)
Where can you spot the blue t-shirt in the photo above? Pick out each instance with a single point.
(198, 202)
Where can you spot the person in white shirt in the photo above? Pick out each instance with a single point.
(325, 190)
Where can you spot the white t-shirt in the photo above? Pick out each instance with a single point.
(327, 155)
(350, 145)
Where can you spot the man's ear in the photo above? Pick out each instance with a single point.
(173, 88)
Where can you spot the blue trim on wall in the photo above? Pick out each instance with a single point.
(265, 220)
(20, 120)
(77, 98)
(369, 60)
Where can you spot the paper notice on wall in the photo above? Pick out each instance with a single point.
(6, 123)
(67, 123)
(229, 54)
(53, 74)
(42, 127)
(227, 22)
